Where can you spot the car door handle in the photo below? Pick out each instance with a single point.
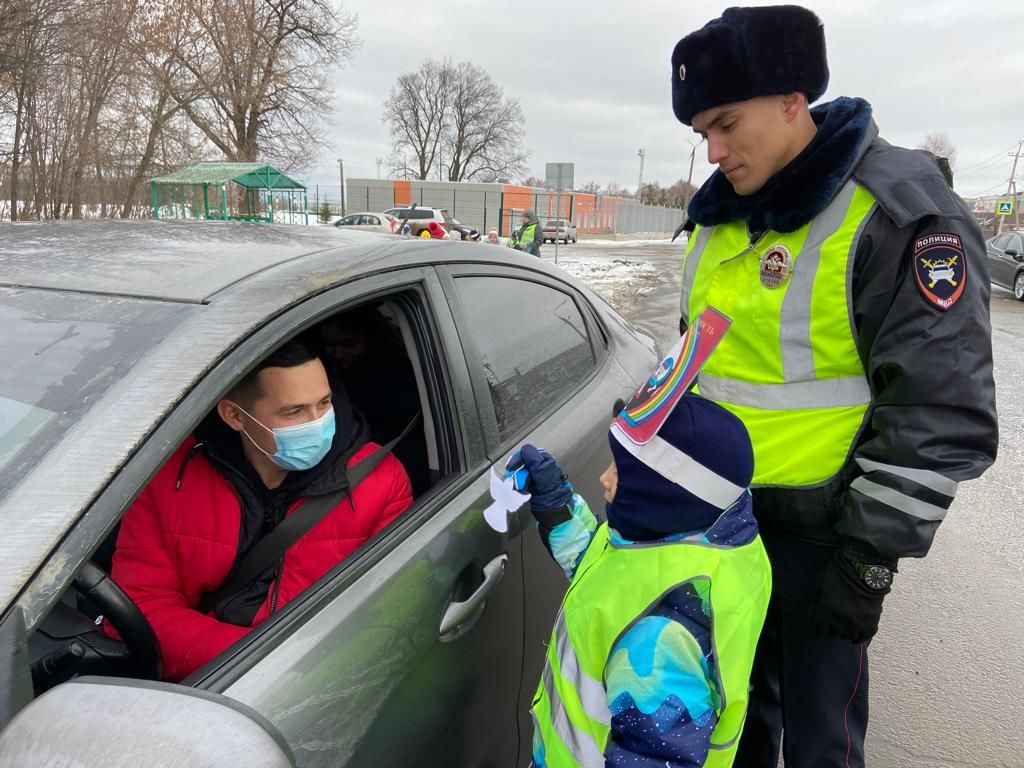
(457, 613)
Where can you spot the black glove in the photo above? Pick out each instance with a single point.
(847, 607)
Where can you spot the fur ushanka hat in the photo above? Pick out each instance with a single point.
(749, 52)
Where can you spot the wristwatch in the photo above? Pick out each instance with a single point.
(876, 577)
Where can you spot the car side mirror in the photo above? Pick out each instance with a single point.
(116, 723)
(1012, 254)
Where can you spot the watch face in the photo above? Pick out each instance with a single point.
(877, 577)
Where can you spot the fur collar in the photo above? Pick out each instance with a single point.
(802, 189)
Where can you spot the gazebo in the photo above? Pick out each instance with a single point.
(228, 191)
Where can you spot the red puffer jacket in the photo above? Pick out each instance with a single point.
(178, 541)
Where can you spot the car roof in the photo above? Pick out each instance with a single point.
(172, 261)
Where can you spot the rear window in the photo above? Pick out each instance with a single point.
(416, 213)
(61, 353)
(556, 223)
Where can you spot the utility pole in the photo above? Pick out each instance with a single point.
(640, 182)
(1011, 186)
(341, 174)
(689, 176)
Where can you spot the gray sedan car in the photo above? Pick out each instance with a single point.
(422, 648)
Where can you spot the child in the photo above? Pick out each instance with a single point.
(649, 662)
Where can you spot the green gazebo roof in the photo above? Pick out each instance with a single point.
(249, 175)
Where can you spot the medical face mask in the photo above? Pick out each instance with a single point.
(302, 446)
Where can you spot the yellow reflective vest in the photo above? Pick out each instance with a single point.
(614, 586)
(789, 366)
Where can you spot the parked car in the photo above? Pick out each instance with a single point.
(560, 229)
(418, 217)
(1006, 261)
(463, 230)
(120, 337)
(369, 222)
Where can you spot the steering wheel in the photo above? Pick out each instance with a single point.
(93, 583)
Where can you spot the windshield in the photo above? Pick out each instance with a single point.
(61, 353)
(556, 223)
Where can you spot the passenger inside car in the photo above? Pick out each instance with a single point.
(282, 438)
(364, 353)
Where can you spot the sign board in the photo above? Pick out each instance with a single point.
(1005, 207)
(559, 176)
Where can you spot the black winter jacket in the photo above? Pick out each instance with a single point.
(932, 422)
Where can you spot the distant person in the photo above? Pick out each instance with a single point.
(492, 236)
(530, 235)
(280, 437)
(437, 232)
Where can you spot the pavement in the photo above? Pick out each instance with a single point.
(947, 667)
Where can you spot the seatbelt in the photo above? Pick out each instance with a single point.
(271, 547)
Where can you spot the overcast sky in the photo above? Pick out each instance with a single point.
(593, 78)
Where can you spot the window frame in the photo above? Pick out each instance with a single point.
(596, 334)
(458, 413)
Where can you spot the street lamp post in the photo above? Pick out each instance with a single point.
(341, 174)
(689, 176)
(640, 182)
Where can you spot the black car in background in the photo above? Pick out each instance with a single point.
(1006, 261)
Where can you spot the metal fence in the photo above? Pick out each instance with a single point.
(501, 205)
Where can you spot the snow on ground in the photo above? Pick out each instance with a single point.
(624, 243)
(616, 279)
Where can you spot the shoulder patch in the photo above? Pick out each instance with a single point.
(940, 268)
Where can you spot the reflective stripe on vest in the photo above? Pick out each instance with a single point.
(789, 366)
(616, 586)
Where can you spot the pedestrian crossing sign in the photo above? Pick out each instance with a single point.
(1005, 207)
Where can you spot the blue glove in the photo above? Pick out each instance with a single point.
(537, 472)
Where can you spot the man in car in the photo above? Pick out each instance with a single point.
(280, 437)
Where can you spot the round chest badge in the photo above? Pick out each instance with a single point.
(775, 266)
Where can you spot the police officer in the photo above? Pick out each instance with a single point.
(529, 236)
(859, 357)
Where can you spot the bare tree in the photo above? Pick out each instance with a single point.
(260, 74)
(96, 97)
(591, 188)
(533, 181)
(415, 112)
(484, 136)
(679, 194)
(455, 121)
(940, 146)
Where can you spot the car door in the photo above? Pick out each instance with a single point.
(413, 645)
(543, 370)
(997, 260)
(1013, 255)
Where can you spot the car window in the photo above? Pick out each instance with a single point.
(372, 220)
(530, 359)
(350, 221)
(417, 213)
(1000, 242)
(1015, 244)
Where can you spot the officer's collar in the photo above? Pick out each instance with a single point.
(802, 189)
